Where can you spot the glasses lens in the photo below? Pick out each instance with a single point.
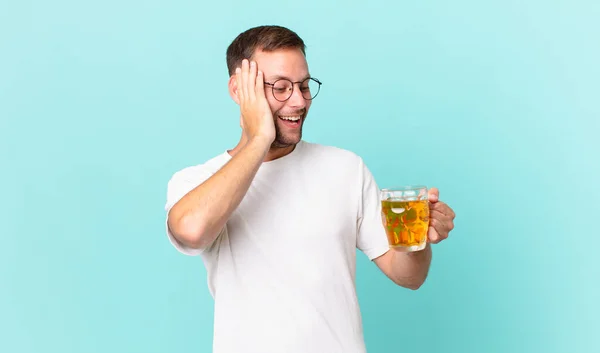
(282, 89)
(310, 88)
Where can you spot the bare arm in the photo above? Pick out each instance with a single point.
(198, 217)
(406, 269)
(410, 269)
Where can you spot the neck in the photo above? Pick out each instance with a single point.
(273, 153)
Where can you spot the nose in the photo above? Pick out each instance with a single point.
(296, 100)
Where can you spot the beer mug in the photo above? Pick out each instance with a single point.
(405, 215)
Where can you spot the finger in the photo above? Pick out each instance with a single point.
(260, 85)
(446, 222)
(433, 194)
(443, 208)
(252, 81)
(245, 70)
(238, 83)
(433, 236)
(439, 227)
(439, 206)
(450, 212)
(436, 214)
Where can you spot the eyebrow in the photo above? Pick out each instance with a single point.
(277, 77)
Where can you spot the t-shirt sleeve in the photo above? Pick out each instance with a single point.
(371, 238)
(178, 186)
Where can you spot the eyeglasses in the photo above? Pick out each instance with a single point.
(283, 88)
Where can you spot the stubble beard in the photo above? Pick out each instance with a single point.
(285, 140)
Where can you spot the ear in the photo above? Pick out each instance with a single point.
(232, 85)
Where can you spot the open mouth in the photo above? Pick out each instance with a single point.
(291, 121)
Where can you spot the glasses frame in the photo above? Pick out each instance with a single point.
(293, 87)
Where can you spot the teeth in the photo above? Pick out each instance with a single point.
(290, 118)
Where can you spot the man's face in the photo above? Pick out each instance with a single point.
(289, 115)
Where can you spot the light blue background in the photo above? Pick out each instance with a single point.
(494, 102)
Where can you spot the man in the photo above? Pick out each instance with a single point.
(277, 220)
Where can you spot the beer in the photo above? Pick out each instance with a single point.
(406, 223)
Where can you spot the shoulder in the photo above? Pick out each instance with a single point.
(338, 160)
(331, 153)
(336, 163)
(200, 171)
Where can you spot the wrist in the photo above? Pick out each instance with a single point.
(420, 253)
(260, 142)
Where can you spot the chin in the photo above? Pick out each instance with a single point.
(287, 140)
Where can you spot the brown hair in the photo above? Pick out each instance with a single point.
(266, 38)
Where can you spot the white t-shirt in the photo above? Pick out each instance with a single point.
(282, 271)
